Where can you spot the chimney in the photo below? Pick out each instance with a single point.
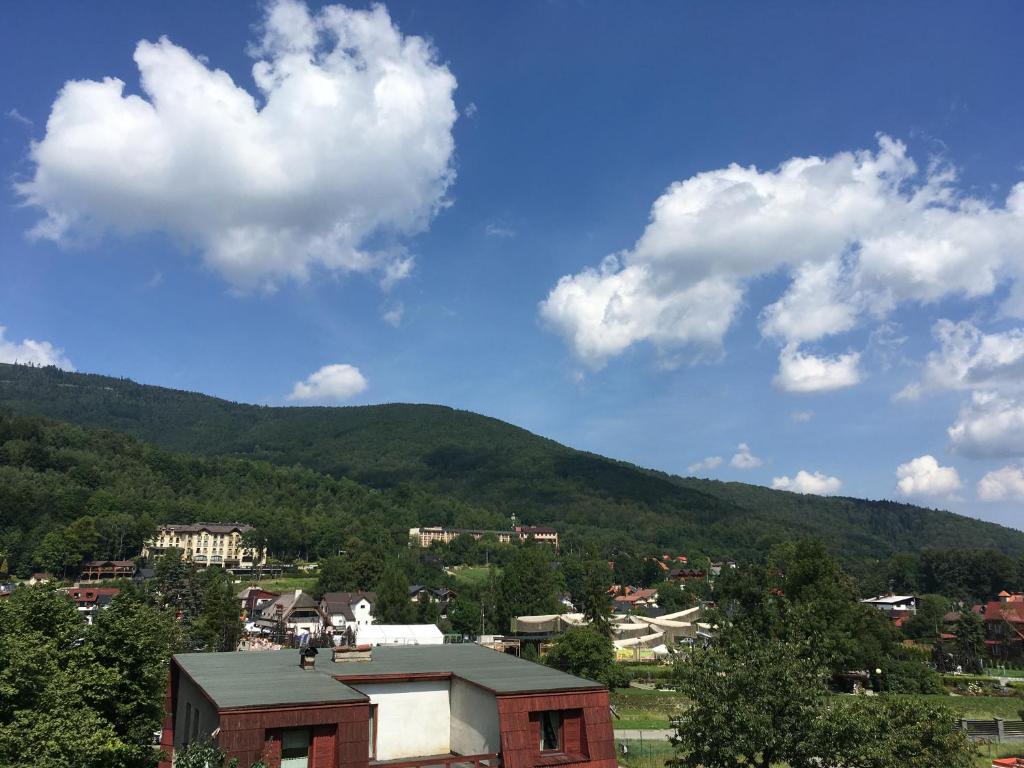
(351, 653)
(307, 657)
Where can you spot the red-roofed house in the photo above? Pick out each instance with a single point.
(1004, 626)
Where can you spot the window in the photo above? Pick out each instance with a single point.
(195, 725)
(295, 748)
(550, 731)
(188, 720)
(373, 731)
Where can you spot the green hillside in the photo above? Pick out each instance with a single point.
(443, 453)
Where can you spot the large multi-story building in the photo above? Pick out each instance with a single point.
(207, 544)
(425, 537)
(450, 706)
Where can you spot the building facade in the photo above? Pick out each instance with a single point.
(425, 537)
(442, 705)
(348, 610)
(207, 544)
(101, 570)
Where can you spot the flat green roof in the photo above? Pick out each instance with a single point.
(263, 678)
(268, 678)
(500, 672)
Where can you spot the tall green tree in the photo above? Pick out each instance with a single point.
(529, 584)
(393, 604)
(583, 651)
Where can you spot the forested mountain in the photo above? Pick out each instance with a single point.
(442, 459)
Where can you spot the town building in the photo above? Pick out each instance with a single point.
(207, 544)
(1004, 626)
(99, 570)
(348, 610)
(254, 599)
(425, 537)
(445, 705)
(296, 612)
(91, 600)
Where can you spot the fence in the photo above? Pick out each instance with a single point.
(998, 730)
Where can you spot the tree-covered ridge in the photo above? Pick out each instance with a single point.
(439, 452)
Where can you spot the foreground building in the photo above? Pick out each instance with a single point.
(207, 544)
(441, 705)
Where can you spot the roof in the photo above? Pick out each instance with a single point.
(209, 527)
(1011, 612)
(115, 563)
(263, 678)
(270, 678)
(889, 599)
(288, 602)
(499, 672)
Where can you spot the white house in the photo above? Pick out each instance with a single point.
(888, 603)
(348, 610)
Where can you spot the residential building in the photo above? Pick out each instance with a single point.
(91, 600)
(899, 604)
(255, 599)
(98, 570)
(348, 610)
(399, 634)
(425, 537)
(297, 611)
(1004, 626)
(6, 590)
(441, 596)
(207, 544)
(444, 705)
(635, 597)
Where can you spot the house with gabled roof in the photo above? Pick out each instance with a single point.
(348, 610)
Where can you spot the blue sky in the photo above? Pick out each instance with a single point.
(809, 207)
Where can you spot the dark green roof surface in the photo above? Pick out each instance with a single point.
(265, 678)
(500, 672)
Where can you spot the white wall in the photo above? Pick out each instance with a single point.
(474, 720)
(412, 718)
(191, 700)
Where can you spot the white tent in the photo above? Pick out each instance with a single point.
(399, 634)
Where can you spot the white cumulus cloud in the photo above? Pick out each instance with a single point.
(336, 383)
(857, 233)
(989, 425)
(817, 483)
(32, 352)
(744, 459)
(705, 465)
(347, 140)
(801, 372)
(1002, 484)
(969, 359)
(924, 477)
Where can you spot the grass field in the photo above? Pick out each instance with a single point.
(283, 584)
(638, 708)
(652, 753)
(472, 575)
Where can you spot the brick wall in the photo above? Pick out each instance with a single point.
(586, 730)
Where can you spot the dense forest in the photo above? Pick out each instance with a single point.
(360, 469)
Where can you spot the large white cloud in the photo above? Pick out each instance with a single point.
(989, 425)
(970, 359)
(817, 483)
(337, 383)
(802, 372)
(924, 477)
(348, 141)
(1002, 484)
(858, 233)
(32, 352)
